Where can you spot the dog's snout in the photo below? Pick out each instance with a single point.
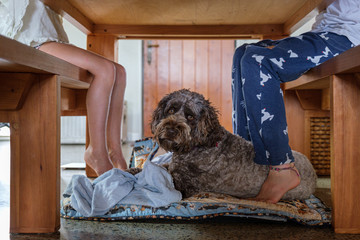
(171, 132)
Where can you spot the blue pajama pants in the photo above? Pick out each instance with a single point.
(258, 105)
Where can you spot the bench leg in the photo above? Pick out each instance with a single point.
(295, 116)
(345, 163)
(35, 160)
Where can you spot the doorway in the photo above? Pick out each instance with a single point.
(203, 66)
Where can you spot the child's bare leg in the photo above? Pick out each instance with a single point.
(115, 118)
(280, 180)
(97, 103)
(98, 97)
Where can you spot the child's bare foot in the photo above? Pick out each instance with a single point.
(99, 163)
(280, 180)
(117, 159)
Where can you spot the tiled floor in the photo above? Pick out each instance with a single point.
(218, 228)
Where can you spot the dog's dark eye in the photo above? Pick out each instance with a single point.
(190, 117)
(171, 111)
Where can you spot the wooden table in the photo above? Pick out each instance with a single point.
(34, 112)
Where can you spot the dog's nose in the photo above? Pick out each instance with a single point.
(171, 132)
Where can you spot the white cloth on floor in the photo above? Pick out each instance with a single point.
(153, 186)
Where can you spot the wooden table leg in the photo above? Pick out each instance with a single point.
(35, 159)
(345, 156)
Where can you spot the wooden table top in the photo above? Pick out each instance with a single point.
(188, 18)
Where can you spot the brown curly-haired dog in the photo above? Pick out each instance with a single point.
(206, 157)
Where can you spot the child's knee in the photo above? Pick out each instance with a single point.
(107, 73)
(256, 55)
(120, 75)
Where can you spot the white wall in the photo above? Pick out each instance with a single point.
(130, 56)
(76, 37)
(305, 28)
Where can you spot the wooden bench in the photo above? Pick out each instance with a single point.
(332, 88)
(35, 89)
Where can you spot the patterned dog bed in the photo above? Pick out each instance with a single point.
(208, 205)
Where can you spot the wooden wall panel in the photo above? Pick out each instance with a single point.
(150, 91)
(214, 72)
(176, 66)
(189, 64)
(226, 69)
(199, 65)
(202, 67)
(163, 68)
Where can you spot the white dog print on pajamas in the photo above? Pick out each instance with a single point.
(281, 92)
(316, 59)
(258, 58)
(267, 154)
(266, 116)
(288, 160)
(279, 62)
(323, 36)
(258, 96)
(292, 54)
(285, 131)
(264, 78)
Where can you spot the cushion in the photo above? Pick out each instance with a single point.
(205, 205)
(208, 205)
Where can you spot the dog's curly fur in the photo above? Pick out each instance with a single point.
(206, 157)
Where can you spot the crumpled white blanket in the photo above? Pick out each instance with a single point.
(153, 186)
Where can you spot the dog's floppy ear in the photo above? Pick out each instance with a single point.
(209, 122)
(158, 114)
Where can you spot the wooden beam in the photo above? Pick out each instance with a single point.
(14, 89)
(72, 14)
(194, 31)
(212, 37)
(310, 99)
(73, 102)
(104, 45)
(309, 10)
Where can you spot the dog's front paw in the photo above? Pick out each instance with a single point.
(133, 171)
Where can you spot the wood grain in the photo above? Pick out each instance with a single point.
(202, 65)
(295, 116)
(190, 31)
(339, 82)
(345, 153)
(14, 89)
(35, 160)
(73, 102)
(310, 99)
(17, 57)
(196, 12)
